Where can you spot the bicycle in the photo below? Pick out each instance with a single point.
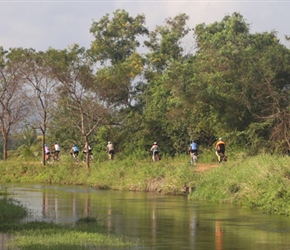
(56, 156)
(111, 156)
(222, 157)
(47, 158)
(156, 157)
(193, 158)
(75, 156)
(85, 157)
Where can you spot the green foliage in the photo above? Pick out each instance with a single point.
(260, 182)
(11, 211)
(234, 84)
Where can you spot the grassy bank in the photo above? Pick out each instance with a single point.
(260, 182)
(87, 233)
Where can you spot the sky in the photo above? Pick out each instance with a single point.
(43, 24)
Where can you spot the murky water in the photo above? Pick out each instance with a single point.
(158, 221)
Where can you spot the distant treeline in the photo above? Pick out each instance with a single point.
(232, 84)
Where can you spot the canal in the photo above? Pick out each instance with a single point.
(156, 221)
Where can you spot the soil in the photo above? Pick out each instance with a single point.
(205, 167)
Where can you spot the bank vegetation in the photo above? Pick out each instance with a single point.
(254, 182)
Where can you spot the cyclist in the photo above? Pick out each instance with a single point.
(155, 150)
(89, 148)
(193, 149)
(110, 150)
(85, 152)
(74, 151)
(220, 149)
(56, 151)
(47, 152)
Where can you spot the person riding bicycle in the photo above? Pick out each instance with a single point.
(155, 150)
(89, 149)
(90, 153)
(56, 150)
(110, 150)
(74, 151)
(47, 152)
(220, 149)
(193, 148)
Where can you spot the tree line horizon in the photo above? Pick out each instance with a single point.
(235, 85)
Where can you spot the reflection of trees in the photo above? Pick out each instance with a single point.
(109, 218)
(45, 204)
(154, 225)
(87, 206)
(49, 204)
(192, 229)
(4, 241)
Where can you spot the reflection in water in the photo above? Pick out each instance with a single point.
(157, 221)
(3, 241)
(218, 235)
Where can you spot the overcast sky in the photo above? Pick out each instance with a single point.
(42, 24)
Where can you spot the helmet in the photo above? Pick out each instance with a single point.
(109, 142)
(44, 145)
(220, 139)
(55, 142)
(155, 143)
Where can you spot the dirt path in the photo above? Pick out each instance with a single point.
(205, 167)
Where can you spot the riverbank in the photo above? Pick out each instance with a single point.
(85, 233)
(260, 182)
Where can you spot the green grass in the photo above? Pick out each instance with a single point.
(11, 210)
(260, 182)
(85, 235)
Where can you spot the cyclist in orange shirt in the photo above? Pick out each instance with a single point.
(220, 149)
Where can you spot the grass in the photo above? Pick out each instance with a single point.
(11, 210)
(260, 182)
(87, 233)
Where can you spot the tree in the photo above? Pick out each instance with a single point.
(165, 116)
(242, 79)
(80, 103)
(119, 82)
(41, 90)
(116, 39)
(13, 104)
(219, 70)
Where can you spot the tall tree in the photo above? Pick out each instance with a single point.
(13, 105)
(168, 73)
(80, 103)
(242, 79)
(116, 39)
(218, 67)
(41, 90)
(119, 82)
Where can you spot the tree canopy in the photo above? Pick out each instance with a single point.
(134, 86)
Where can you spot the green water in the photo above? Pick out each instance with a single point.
(158, 221)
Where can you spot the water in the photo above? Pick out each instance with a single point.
(157, 221)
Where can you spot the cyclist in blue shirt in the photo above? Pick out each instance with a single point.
(74, 151)
(193, 148)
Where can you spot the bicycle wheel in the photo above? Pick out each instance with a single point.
(193, 159)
